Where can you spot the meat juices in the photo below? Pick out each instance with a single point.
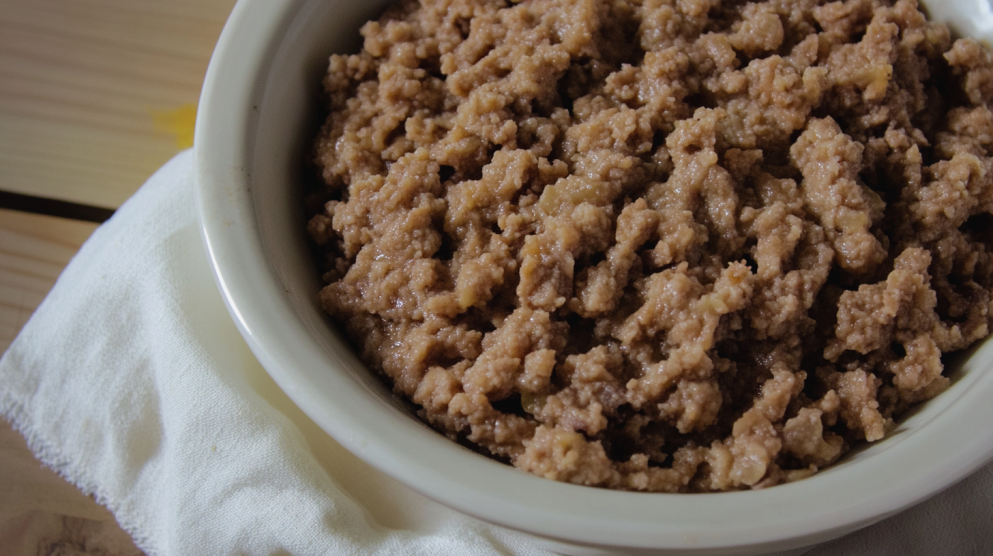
(668, 245)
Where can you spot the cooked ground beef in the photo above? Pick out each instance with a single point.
(660, 245)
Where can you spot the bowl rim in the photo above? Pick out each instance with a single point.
(387, 440)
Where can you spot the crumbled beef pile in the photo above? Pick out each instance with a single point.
(661, 245)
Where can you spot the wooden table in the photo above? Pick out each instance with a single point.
(95, 95)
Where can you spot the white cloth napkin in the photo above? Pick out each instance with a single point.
(132, 382)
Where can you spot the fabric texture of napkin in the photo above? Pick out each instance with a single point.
(133, 383)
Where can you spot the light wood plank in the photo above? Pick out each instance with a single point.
(96, 94)
(33, 251)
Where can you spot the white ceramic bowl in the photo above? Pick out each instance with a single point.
(256, 120)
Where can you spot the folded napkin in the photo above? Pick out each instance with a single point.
(133, 383)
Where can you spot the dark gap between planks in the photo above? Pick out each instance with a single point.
(52, 207)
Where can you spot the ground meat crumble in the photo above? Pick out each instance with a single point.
(659, 245)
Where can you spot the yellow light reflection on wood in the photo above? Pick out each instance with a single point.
(179, 122)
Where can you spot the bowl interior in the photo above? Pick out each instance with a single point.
(290, 113)
(259, 114)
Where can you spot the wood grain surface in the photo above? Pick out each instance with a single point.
(97, 94)
(33, 251)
